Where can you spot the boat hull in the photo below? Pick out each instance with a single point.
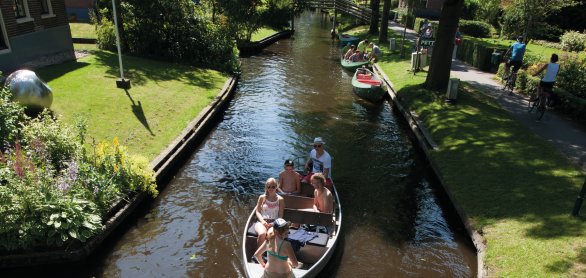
(352, 66)
(372, 93)
(345, 39)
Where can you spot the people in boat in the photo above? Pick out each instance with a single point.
(320, 162)
(349, 53)
(346, 48)
(323, 200)
(269, 207)
(362, 45)
(280, 255)
(358, 56)
(364, 71)
(375, 54)
(289, 180)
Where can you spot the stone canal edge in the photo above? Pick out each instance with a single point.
(427, 145)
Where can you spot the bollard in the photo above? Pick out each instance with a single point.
(452, 92)
(392, 44)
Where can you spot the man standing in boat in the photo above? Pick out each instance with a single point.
(320, 162)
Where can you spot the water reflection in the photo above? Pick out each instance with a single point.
(394, 224)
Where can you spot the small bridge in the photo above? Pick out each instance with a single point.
(344, 6)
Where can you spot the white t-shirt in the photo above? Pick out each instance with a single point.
(551, 72)
(321, 163)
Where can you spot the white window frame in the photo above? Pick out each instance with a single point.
(4, 35)
(28, 17)
(50, 8)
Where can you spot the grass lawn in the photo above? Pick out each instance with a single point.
(517, 190)
(83, 30)
(263, 33)
(163, 99)
(85, 47)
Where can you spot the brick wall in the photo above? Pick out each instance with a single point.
(79, 3)
(39, 23)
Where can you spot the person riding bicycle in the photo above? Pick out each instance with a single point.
(517, 50)
(548, 80)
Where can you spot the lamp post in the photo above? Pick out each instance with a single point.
(122, 82)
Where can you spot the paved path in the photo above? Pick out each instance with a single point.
(565, 135)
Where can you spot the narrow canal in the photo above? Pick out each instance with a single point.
(396, 222)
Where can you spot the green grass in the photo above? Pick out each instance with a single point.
(163, 99)
(263, 33)
(82, 30)
(516, 189)
(85, 47)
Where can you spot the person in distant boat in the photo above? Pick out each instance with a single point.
(375, 54)
(320, 162)
(350, 52)
(358, 56)
(365, 72)
(269, 207)
(280, 255)
(323, 200)
(289, 180)
(362, 45)
(346, 48)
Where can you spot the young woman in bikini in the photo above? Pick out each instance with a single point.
(269, 207)
(281, 258)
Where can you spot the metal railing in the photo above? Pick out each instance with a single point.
(343, 6)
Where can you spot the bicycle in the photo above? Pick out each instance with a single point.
(510, 82)
(541, 103)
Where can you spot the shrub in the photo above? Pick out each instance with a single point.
(477, 29)
(11, 115)
(106, 38)
(573, 41)
(572, 77)
(549, 44)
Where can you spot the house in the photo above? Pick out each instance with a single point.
(79, 10)
(431, 9)
(33, 33)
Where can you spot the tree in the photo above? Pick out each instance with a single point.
(384, 24)
(375, 8)
(528, 17)
(441, 64)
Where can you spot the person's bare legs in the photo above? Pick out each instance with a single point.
(261, 231)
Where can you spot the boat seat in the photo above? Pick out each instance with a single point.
(369, 81)
(320, 240)
(362, 76)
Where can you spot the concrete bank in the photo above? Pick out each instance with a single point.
(258, 46)
(164, 166)
(427, 144)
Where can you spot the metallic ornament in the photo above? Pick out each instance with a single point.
(29, 90)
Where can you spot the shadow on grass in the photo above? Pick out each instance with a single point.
(50, 73)
(497, 168)
(140, 70)
(564, 266)
(139, 113)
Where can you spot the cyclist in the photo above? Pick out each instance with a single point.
(548, 80)
(517, 50)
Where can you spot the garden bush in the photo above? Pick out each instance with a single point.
(549, 44)
(476, 29)
(573, 41)
(53, 192)
(572, 77)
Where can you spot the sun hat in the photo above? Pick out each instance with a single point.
(280, 223)
(318, 140)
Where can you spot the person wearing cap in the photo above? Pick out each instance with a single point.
(323, 200)
(280, 255)
(289, 180)
(269, 207)
(320, 161)
(517, 50)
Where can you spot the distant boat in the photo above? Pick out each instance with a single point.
(345, 39)
(352, 66)
(316, 253)
(368, 85)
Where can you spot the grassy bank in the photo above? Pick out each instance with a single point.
(517, 190)
(543, 52)
(83, 30)
(164, 97)
(263, 33)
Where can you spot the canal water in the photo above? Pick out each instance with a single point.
(397, 221)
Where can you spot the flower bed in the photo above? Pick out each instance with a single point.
(54, 192)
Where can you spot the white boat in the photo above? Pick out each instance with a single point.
(312, 257)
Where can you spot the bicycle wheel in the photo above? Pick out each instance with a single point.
(541, 107)
(532, 104)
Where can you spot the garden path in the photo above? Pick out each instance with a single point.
(564, 134)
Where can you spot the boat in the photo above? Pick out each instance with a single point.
(352, 66)
(345, 39)
(368, 85)
(316, 253)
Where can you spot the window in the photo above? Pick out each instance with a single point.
(46, 8)
(21, 11)
(4, 46)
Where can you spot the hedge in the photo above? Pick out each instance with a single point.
(476, 54)
(478, 29)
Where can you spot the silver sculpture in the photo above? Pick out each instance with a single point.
(29, 90)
